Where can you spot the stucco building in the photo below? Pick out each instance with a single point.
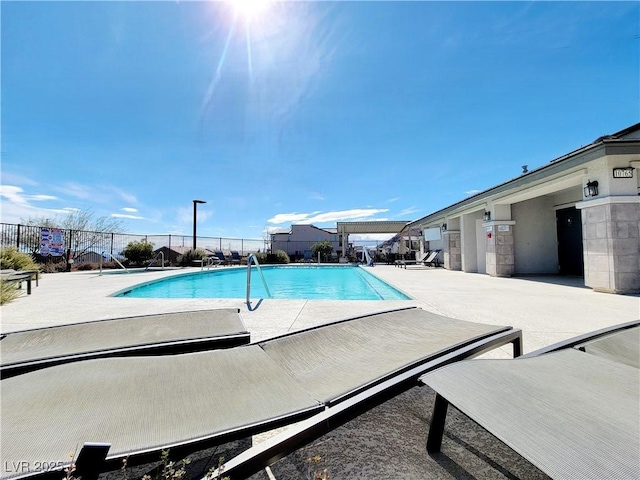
(303, 237)
(578, 215)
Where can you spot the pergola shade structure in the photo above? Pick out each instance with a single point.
(347, 228)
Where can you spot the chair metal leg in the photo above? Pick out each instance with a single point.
(90, 460)
(517, 347)
(436, 429)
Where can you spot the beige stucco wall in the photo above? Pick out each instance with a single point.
(535, 236)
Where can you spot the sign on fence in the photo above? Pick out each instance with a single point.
(51, 242)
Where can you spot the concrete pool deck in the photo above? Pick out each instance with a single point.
(388, 441)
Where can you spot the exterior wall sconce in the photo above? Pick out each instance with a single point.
(487, 216)
(591, 190)
(444, 227)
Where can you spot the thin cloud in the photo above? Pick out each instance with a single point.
(472, 192)
(318, 217)
(290, 217)
(316, 196)
(129, 210)
(409, 211)
(130, 217)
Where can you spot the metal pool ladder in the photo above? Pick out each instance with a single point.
(252, 258)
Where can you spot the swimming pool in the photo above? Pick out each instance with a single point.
(317, 282)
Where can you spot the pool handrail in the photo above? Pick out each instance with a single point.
(159, 254)
(254, 259)
(108, 255)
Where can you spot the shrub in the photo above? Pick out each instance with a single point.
(8, 291)
(54, 267)
(138, 252)
(323, 247)
(186, 259)
(281, 256)
(11, 258)
(87, 266)
(261, 257)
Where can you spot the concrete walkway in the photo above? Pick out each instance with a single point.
(389, 440)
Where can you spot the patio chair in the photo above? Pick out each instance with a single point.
(308, 256)
(142, 405)
(570, 409)
(236, 259)
(419, 259)
(221, 257)
(161, 334)
(432, 259)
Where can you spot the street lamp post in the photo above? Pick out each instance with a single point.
(195, 204)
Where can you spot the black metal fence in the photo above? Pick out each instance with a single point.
(82, 244)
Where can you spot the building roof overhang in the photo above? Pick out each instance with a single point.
(371, 227)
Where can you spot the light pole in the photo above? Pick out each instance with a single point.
(195, 205)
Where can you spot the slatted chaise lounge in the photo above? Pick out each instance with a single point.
(165, 333)
(138, 406)
(572, 409)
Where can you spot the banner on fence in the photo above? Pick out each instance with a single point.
(51, 242)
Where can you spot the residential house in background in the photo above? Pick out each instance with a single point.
(303, 237)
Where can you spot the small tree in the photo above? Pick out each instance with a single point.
(138, 252)
(323, 247)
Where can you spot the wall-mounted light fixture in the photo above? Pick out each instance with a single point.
(444, 227)
(487, 216)
(591, 189)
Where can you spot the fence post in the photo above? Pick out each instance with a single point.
(111, 247)
(18, 239)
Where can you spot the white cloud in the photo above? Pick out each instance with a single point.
(318, 217)
(41, 198)
(129, 209)
(472, 192)
(290, 217)
(16, 205)
(123, 215)
(408, 211)
(354, 214)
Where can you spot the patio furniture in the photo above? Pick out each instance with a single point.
(570, 409)
(236, 259)
(165, 333)
(142, 405)
(221, 257)
(419, 259)
(432, 259)
(18, 276)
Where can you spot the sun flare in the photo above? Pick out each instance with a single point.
(250, 9)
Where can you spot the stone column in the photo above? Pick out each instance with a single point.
(452, 250)
(500, 248)
(611, 241)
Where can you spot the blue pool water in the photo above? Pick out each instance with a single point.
(284, 282)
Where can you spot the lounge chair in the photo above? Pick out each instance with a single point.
(570, 409)
(308, 256)
(142, 405)
(165, 333)
(236, 259)
(419, 259)
(221, 257)
(432, 259)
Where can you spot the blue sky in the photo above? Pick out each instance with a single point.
(298, 112)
